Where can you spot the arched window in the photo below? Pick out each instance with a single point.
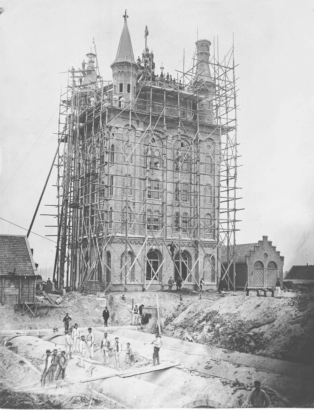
(183, 264)
(112, 154)
(258, 265)
(127, 267)
(182, 156)
(272, 265)
(209, 165)
(208, 194)
(154, 153)
(152, 265)
(209, 228)
(154, 189)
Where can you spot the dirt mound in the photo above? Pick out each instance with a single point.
(281, 328)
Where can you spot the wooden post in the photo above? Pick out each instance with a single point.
(2, 293)
(29, 289)
(20, 290)
(158, 316)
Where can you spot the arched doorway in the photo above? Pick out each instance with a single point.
(272, 274)
(258, 274)
(152, 265)
(182, 266)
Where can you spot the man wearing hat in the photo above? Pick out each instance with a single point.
(62, 366)
(47, 365)
(53, 367)
(90, 341)
(117, 351)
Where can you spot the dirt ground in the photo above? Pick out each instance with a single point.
(282, 328)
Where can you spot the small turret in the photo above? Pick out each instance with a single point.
(124, 69)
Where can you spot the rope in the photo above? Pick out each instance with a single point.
(47, 239)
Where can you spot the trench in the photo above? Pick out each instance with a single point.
(197, 376)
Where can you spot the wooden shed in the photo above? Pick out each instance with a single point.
(17, 271)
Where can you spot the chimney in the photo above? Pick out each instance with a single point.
(265, 238)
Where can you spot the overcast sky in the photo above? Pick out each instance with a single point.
(274, 46)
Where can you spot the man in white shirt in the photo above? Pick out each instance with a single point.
(68, 345)
(90, 341)
(82, 349)
(135, 315)
(117, 350)
(76, 336)
(157, 346)
(105, 344)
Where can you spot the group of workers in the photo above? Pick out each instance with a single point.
(55, 366)
(137, 314)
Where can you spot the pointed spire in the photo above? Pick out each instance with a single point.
(125, 49)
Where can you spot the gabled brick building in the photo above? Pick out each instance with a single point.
(256, 264)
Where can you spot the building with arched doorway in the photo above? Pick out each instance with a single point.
(255, 264)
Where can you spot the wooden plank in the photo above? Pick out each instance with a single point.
(146, 369)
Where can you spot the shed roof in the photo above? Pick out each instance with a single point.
(15, 254)
(301, 272)
(241, 252)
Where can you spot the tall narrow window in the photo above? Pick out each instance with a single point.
(177, 191)
(153, 189)
(120, 87)
(129, 88)
(177, 221)
(128, 184)
(115, 89)
(110, 219)
(209, 225)
(111, 185)
(112, 154)
(209, 166)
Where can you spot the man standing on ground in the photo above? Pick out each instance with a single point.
(66, 321)
(82, 347)
(135, 315)
(62, 366)
(258, 398)
(179, 283)
(157, 346)
(68, 345)
(90, 341)
(76, 338)
(105, 344)
(117, 351)
(140, 313)
(128, 355)
(278, 287)
(53, 367)
(47, 365)
(106, 315)
(170, 283)
(202, 284)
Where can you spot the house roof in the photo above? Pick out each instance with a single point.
(15, 254)
(241, 252)
(301, 272)
(125, 49)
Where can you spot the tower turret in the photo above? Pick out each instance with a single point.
(203, 81)
(124, 68)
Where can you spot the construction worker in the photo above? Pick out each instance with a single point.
(47, 365)
(157, 346)
(66, 321)
(62, 366)
(90, 341)
(258, 398)
(68, 345)
(105, 315)
(82, 347)
(128, 355)
(140, 313)
(170, 283)
(202, 283)
(76, 338)
(105, 345)
(135, 315)
(179, 283)
(117, 351)
(50, 376)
